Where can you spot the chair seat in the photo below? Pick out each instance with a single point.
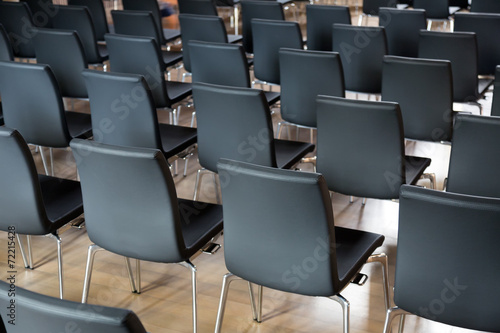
(175, 138)
(289, 153)
(171, 34)
(200, 222)
(171, 58)
(232, 39)
(103, 52)
(79, 124)
(415, 167)
(272, 97)
(177, 91)
(62, 199)
(353, 248)
(483, 85)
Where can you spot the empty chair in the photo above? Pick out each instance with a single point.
(371, 8)
(236, 123)
(361, 50)
(304, 76)
(379, 167)
(44, 314)
(402, 28)
(42, 12)
(21, 35)
(495, 104)
(473, 161)
(438, 224)
(152, 224)
(485, 6)
(267, 10)
(282, 208)
(268, 38)
(437, 11)
(98, 14)
(319, 25)
(197, 7)
(33, 204)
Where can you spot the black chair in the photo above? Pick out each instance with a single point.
(379, 167)
(142, 56)
(236, 123)
(473, 162)
(42, 12)
(43, 313)
(371, 8)
(41, 118)
(402, 28)
(36, 205)
(495, 104)
(197, 7)
(98, 13)
(437, 11)
(133, 121)
(6, 54)
(319, 25)
(485, 6)
(78, 18)
(152, 224)
(21, 35)
(433, 228)
(258, 205)
(268, 38)
(488, 50)
(267, 10)
(361, 56)
(304, 76)
(460, 48)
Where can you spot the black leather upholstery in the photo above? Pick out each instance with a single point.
(485, 6)
(495, 104)
(98, 14)
(424, 90)
(402, 28)
(11, 13)
(435, 9)
(41, 11)
(371, 7)
(197, 7)
(320, 19)
(447, 243)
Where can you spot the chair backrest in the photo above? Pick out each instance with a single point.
(43, 313)
(231, 123)
(197, 7)
(120, 122)
(460, 48)
(139, 55)
(78, 18)
(17, 20)
(435, 9)
(201, 28)
(319, 25)
(485, 6)
(424, 90)
(146, 209)
(32, 103)
(150, 6)
(474, 162)
(463, 4)
(268, 37)
(281, 220)
(41, 11)
(377, 169)
(251, 9)
(402, 28)
(135, 23)
(98, 13)
(495, 104)
(371, 7)
(361, 50)
(450, 239)
(487, 48)
(219, 63)
(63, 51)
(22, 205)
(6, 53)
(304, 76)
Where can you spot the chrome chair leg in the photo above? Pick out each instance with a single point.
(130, 276)
(138, 275)
(59, 262)
(401, 323)
(389, 317)
(351, 199)
(228, 278)
(429, 25)
(260, 293)
(363, 202)
(192, 268)
(44, 162)
(278, 130)
(197, 183)
(216, 188)
(345, 310)
(193, 116)
(51, 155)
(252, 301)
(382, 259)
(30, 253)
(88, 270)
(21, 248)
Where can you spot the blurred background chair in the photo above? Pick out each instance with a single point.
(371, 8)
(41, 11)
(319, 25)
(98, 14)
(11, 13)
(197, 7)
(437, 11)
(485, 6)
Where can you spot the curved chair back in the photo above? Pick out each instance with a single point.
(201, 28)
(361, 50)
(319, 25)
(98, 13)
(63, 51)
(116, 122)
(463, 4)
(304, 76)
(43, 313)
(435, 9)
(6, 53)
(402, 28)
(11, 14)
(267, 10)
(32, 104)
(268, 37)
(377, 170)
(487, 48)
(371, 7)
(424, 90)
(485, 6)
(229, 121)
(460, 48)
(474, 162)
(219, 63)
(197, 7)
(495, 105)
(150, 6)
(433, 228)
(135, 23)
(140, 55)
(41, 11)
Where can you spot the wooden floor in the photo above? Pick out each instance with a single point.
(165, 303)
